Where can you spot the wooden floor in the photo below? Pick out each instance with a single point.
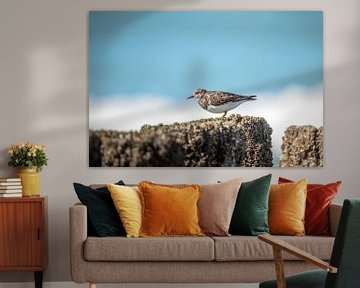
(74, 285)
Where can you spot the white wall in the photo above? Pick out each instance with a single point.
(43, 90)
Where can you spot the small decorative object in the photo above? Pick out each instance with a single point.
(30, 158)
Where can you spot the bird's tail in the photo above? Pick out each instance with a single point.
(252, 97)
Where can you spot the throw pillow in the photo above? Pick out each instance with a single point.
(102, 215)
(127, 201)
(250, 215)
(216, 206)
(287, 208)
(319, 197)
(169, 210)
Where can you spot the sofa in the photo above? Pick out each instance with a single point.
(233, 259)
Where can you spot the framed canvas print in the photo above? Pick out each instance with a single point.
(205, 88)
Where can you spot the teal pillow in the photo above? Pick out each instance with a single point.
(250, 216)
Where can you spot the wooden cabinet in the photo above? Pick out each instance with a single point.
(23, 235)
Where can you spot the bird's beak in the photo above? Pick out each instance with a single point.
(192, 96)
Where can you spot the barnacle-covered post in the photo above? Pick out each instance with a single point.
(216, 142)
(302, 147)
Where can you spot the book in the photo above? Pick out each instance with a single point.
(10, 180)
(4, 195)
(10, 191)
(9, 183)
(10, 187)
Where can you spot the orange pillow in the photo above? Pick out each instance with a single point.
(318, 200)
(287, 204)
(169, 210)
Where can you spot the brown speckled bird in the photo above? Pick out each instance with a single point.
(218, 101)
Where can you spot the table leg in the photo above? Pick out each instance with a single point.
(38, 279)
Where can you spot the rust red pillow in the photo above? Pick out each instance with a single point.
(319, 197)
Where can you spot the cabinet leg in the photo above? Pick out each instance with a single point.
(92, 285)
(38, 279)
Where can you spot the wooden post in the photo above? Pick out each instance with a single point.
(92, 285)
(279, 268)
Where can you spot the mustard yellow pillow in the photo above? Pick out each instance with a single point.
(287, 204)
(127, 201)
(169, 210)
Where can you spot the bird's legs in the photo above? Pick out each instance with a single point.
(224, 114)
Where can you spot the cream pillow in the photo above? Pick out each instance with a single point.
(127, 201)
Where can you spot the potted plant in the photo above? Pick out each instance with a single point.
(30, 158)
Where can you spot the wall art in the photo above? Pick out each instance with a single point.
(205, 88)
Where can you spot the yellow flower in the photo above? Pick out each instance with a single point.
(41, 147)
(11, 151)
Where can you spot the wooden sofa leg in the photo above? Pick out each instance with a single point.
(92, 285)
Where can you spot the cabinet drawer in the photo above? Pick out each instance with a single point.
(22, 237)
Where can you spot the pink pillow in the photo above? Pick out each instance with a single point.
(216, 206)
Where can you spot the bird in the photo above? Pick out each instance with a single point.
(219, 101)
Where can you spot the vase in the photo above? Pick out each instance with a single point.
(30, 181)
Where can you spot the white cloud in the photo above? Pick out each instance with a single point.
(291, 106)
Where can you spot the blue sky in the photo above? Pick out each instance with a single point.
(172, 53)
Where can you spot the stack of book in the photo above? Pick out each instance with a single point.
(10, 187)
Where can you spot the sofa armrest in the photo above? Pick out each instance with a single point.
(78, 235)
(279, 246)
(284, 246)
(334, 217)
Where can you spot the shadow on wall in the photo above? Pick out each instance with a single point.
(44, 72)
(4, 159)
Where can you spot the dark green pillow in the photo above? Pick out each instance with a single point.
(103, 219)
(250, 216)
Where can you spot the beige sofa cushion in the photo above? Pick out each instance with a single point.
(149, 249)
(243, 248)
